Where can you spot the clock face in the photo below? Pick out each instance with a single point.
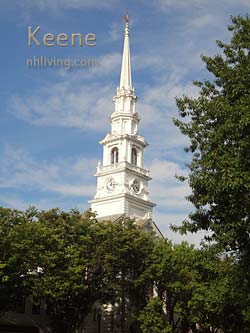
(110, 184)
(136, 185)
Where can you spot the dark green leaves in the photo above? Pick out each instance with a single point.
(217, 123)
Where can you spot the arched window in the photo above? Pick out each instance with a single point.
(134, 156)
(114, 155)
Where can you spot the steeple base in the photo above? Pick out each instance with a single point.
(121, 204)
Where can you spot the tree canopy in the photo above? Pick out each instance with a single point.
(217, 122)
(73, 261)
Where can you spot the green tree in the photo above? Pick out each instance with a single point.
(195, 286)
(15, 277)
(72, 261)
(174, 277)
(70, 275)
(217, 123)
(152, 318)
(125, 252)
(50, 255)
(219, 299)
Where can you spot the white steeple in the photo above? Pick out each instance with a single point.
(122, 181)
(125, 80)
(125, 98)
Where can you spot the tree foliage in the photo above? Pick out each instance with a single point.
(152, 318)
(217, 123)
(173, 275)
(126, 252)
(196, 288)
(74, 261)
(219, 298)
(16, 279)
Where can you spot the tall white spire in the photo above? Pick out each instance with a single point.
(125, 80)
(122, 180)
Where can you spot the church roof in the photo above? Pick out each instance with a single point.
(146, 224)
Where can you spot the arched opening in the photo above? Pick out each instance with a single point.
(134, 156)
(114, 155)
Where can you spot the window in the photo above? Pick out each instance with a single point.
(134, 156)
(114, 155)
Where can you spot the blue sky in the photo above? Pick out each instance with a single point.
(53, 118)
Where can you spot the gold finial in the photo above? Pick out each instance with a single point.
(126, 18)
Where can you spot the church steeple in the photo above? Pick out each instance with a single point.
(125, 98)
(125, 80)
(122, 180)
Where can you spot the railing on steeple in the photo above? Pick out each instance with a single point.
(123, 164)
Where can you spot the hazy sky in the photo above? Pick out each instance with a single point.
(52, 118)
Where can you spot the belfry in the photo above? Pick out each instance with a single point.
(122, 180)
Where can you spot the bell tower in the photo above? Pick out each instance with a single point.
(122, 180)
